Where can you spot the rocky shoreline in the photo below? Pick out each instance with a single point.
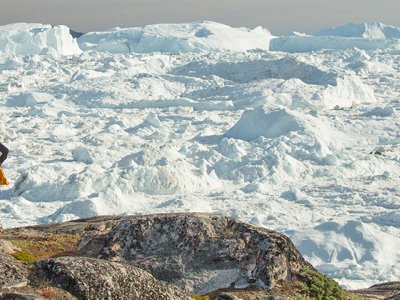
(163, 256)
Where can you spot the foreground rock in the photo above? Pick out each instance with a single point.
(111, 258)
(12, 273)
(202, 252)
(89, 278)
(20, 296)
(389, 290)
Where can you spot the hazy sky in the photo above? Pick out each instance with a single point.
(278, 16)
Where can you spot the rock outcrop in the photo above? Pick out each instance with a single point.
(164, 256)
(20, 296)
(89, 278)
(389, 291)
(12, 273)
(202, 252)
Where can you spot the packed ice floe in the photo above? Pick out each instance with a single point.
(297, 133)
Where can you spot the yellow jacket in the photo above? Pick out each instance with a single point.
(3, 178)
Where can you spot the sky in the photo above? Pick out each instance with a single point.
(279, 16)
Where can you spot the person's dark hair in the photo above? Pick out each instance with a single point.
(4, 153)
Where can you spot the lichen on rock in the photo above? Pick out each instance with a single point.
(12, 273)
(91, 279)
(203, 252)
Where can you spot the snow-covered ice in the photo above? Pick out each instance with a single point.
(204, 117)
(189, 37)
(28, 39)
(373, 30)
(367, 36)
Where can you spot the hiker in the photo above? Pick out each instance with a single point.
(3, 149)
(4, 153)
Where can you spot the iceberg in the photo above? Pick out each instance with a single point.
(31, 39)
(176, 38)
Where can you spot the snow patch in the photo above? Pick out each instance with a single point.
(347, 92)
(256, 123)
(382, 112)
(29, 99)
(391, 218)
(371, 67)
(349, 249)
(261, 122)
(153, 120)
(82, 154)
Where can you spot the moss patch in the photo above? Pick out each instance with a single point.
(318, 286)
(24, 256)
(198, 297)
(33, 248)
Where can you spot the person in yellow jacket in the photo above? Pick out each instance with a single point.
(3, 149)
(4, 153)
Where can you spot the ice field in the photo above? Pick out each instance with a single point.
(297, 133)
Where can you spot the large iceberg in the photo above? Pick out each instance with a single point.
(30, 39)
(366, 36)
(307, 43)
(185, 37)
(372, 30)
